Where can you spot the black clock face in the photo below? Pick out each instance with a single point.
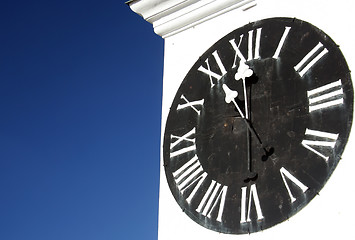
(258, 125)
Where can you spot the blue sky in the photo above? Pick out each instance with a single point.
(80, 102)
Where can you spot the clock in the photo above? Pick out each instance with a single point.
(258, 126)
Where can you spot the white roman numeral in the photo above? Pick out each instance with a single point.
(179, 139)
(256, 51)
(190, 104)
(237, 51)
(188, 174)
(329, 140)
(253, 194)
(284, 173)
(325, 96)
(257, 44)
(213, 74)
(312, 54)
(215, 193)
(281, 43)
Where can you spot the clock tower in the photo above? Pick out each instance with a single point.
(256, 118)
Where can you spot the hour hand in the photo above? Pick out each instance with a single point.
(230, 96)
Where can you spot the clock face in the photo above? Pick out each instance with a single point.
(258, 125)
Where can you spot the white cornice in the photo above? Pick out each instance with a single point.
(173, 16)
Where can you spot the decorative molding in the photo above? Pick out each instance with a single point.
(170, 17)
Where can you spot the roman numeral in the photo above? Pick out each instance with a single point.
(215, 193)
(253, 195)
(284, 173)
(327, 140)
(190, 104)
(237, 51)
(310, 59)
(253, 51)
(281, 43)
(188, 174)
(325, 96)
(212, 74)
(256, 46)
(186, 137)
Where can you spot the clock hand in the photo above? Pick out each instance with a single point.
(243, 72)
(252, 176)
(230, 96)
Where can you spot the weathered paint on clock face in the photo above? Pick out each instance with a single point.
(258, 125)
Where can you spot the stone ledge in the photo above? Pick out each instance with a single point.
(170, 17)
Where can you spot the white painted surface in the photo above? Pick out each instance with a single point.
(327, 216)
(170, 17)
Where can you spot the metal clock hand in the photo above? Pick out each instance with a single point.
(243, 72)
(251, 174)
(230, 96)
